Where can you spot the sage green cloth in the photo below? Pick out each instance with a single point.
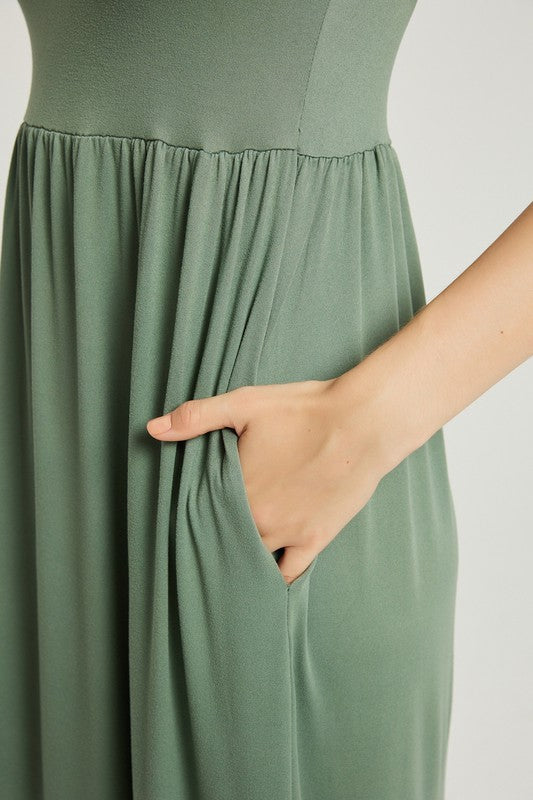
(204, 195)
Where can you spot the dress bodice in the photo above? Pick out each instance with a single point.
(310, 75)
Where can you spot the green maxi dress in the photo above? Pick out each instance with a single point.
(202, 195)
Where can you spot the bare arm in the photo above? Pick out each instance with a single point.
(314, 451)
(467, 338)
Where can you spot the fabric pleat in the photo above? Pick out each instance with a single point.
(152, 649)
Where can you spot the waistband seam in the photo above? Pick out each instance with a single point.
(154, 140)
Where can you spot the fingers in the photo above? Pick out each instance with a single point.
(194, 417)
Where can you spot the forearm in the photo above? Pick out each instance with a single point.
(466, 339)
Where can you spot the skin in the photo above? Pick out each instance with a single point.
(325, 445)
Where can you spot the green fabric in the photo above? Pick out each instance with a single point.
(204, 195)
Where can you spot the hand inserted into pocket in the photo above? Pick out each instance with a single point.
(307, 470)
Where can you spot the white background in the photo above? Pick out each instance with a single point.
(461, 120)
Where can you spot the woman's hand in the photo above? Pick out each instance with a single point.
(313, 452)
(307, 470)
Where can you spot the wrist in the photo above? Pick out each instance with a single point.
(367, 398)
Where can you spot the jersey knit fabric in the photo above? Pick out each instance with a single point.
(203, 194)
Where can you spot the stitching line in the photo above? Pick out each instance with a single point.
(148, 142)
(310, 71)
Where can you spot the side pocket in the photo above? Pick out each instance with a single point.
(230, 440)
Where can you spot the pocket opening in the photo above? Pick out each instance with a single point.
(269, 558)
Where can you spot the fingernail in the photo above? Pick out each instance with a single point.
(160, 424)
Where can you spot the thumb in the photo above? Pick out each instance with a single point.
(194, 417)
(294, 561)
